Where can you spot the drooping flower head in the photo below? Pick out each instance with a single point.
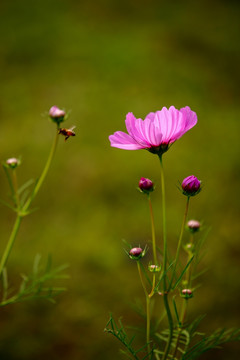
(156, 132)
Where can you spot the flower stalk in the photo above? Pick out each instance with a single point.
(180, 242)
(43, 175)
(153, 232)
(165, 292)
(147, 306)
(21, 212)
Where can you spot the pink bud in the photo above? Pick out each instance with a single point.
(12, 163)
(193, 225)
(191, 186)
(56, 114)
(187, 293)
(146, 185)
(136, 253)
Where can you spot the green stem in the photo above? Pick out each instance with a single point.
(26, 206)
(180, 241)
(147, 306)
(182, 318)
(15, 186)
(43, 175)
(9, 181)
(153, 232)
(165, 293)
(153, 286)
(10, 243)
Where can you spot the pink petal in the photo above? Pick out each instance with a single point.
(133, 126)
(168, 122)
(191, 117)
(122, 140)
(150, 116)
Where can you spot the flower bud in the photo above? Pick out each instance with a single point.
(56, 114)
(191, 186)
(193, 225)
(136, 253)
(187, 293)
(189, 248)
(12, 163)
(145, 185)
(154, 268)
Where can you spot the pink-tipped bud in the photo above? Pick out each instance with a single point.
(12, 163)
(56, 114)
(154, 268)
(146, 185)
(187, 293)
(191, 186)
(136, 253)
(193, 225)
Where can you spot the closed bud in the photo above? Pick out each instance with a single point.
(12, 163)
(193, 226)
(187, 293)
(154, 268)
(136, 253)
(146, 185)
(191, 186)
(56, 114)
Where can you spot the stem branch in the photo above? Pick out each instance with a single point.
(10, 243)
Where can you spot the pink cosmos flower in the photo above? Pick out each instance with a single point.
(156, 132)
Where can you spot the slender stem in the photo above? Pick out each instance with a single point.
(182, 318)
(10, 243)
(164, 220)
(15, 186)
(165, 293)
(9, 180)
(189, 269)
(141, 278)
(153, 232)
(44, 173)
(180, 241)
(153, 286)
(26, 206)
(147, 306)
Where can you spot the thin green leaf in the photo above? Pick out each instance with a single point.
(25, 186)
(182, 273)
(8, 205)
(175, 310)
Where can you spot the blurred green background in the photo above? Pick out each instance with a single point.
(102, 59)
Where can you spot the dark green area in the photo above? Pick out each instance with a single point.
(102, 59)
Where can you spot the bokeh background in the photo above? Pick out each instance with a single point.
(102, 59)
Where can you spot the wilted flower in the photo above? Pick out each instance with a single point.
(146, 185)
(56, 114)
(156, 132)
(12, 163)
(193, 225)
(191, 186)
(136, 253)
